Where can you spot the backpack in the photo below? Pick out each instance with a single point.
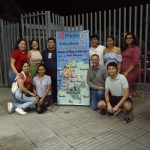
(15, 86)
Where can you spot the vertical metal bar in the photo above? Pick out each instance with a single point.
(53, 25)
(109, 23)
(115, 23)
(38, 29)
(79, 24)
(48, 24)
(140, 36)
(119, 29)
(30, 27)
(71, 27)
(91, 23)
(95, 27)
(58, 18)
(34, 25)
(26, 30)
(75, 23)
(125, 22)
(87, 21)
(45, 26)
(63, 22)
(2, 49)
(1, 45)
(66, 23)
(105, 26)
(135, 19)
(83, 26)
(4, 53)
(146, 43)
(22, 26)
(100, 27)
(11, 36)
(56, 25)
(130, 17)
(17, 33)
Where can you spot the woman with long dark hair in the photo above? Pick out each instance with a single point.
(130, 59)
(24, 94)
(112, 53)
(34, 57)
(18, 58)
(42, 88)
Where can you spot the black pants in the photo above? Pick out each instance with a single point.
(46, 103)
(114, 100)
(54, 89)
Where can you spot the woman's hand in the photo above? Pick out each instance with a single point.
(41, 101)
(109, 108)
(125, 74)
(32, 94)
(115, 109)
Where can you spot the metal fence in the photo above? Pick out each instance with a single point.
(40, 26)
(9, 34)
(116, 22)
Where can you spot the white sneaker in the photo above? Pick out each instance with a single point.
(20, 111)
(10, 107)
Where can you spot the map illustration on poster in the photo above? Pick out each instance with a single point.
(72, 66)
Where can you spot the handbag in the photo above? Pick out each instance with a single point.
(14, 85)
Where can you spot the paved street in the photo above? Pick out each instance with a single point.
(74, 128)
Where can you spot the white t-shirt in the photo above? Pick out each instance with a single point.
(99, 51)
(116, 86)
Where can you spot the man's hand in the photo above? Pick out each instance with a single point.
(109, 108)
(115, 109)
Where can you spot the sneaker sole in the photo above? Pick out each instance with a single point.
(8, 108)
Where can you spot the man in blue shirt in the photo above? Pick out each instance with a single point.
(50, 62)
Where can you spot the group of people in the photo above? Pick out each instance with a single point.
(112, 74)
(35, 72)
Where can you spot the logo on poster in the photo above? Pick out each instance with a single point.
(60, 35)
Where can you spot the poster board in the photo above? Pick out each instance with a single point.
(72, 67)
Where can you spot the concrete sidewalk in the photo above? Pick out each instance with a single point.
(74, 128)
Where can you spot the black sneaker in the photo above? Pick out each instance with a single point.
(103, 111)
(110, 114)
(126, 118)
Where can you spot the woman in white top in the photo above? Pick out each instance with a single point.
(42, 88)
(34, 57)
(112, 53)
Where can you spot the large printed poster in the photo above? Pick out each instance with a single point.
(72, 66)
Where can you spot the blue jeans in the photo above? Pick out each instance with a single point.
(12, 76)
(27, 102)
(96, 96)
(15, 102)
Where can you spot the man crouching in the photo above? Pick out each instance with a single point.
(117, 92)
